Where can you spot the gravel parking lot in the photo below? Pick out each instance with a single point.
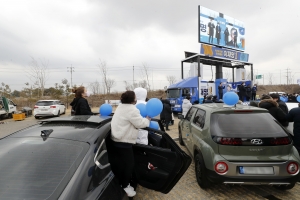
(187, 187)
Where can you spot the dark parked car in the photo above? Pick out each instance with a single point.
(239, 145)
(68, 158)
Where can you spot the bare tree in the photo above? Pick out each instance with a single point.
(38, 73)
(270, 76)
(146, 74)
(95, 87)
(5, 90)
(171, 79)
(143, 84)
(108, 83)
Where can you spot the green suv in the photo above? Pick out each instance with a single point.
(238, 145)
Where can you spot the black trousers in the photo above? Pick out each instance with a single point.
(122, 164)
(220, 95)
(253, 96)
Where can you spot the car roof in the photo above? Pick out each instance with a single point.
(79, 128)
(221, 107)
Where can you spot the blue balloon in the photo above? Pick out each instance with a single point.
(298, 98)
(282, 98)
(230, 98)
(142, 108)
(154, 125)
(154, 107)
(105, 109)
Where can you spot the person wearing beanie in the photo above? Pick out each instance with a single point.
(272, 106)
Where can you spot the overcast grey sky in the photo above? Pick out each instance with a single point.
(127, 33)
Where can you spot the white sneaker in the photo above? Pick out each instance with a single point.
(130, 191)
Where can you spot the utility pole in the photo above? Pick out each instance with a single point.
(133, 75)
(287, 76)
(71, 70)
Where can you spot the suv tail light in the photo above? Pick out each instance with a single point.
(229, 141)
(221, 167)
(280, 141)
(292, 168)
(52, 106)
(36, 107)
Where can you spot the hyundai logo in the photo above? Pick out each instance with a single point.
(256, 141)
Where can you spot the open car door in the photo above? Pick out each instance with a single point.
(5, 104)
(159, 165)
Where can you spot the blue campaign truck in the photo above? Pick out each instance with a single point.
(189, 86)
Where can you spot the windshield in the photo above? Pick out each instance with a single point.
(245, 125)
(173, 93)
(31, 168)
(44, 103)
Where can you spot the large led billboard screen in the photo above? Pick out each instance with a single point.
(218, 29)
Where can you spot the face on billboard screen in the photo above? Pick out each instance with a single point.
(220, 30)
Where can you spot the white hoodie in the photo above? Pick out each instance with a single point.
(141, 95)
(186, 105)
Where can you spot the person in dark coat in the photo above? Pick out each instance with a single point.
(254, 89)
(220, 90)
(218, 33)
(282, 105)
(294, 116)
(166, 113)
(248, 92)
(211, 30)
(226, 33)
(272, 106)
(80, 104)
(242, 92)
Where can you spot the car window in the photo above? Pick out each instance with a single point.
(190, 113)
(245, 125)
(199, 118)
(44, 103)
(32, 168)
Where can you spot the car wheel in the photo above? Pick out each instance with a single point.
(10, 115)
(58, 114)
(180, 138)
(65, 111)
(284, 187)
(200, 171)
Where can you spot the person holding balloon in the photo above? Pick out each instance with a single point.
(141, 95)
(124, 132)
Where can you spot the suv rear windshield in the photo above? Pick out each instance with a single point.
(44, 103)
(241, 125)
(31, 168)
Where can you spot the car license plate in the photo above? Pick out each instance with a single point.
(44, 109)
(172, 101)
(256, 170)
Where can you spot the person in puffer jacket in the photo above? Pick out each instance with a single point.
(272, 106)
(141, 96)
(186, 105)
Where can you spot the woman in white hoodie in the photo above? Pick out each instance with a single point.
(124, 131)
(186, 105)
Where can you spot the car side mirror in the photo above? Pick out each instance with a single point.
(180, 116)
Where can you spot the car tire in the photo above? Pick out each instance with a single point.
(200, 171)
(284, 187)
(64, 111)
(58, 114)
(10, 115)
(180, 138)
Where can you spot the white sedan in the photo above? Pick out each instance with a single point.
(45, 108)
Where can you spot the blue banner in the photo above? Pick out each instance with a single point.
(217, 52)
